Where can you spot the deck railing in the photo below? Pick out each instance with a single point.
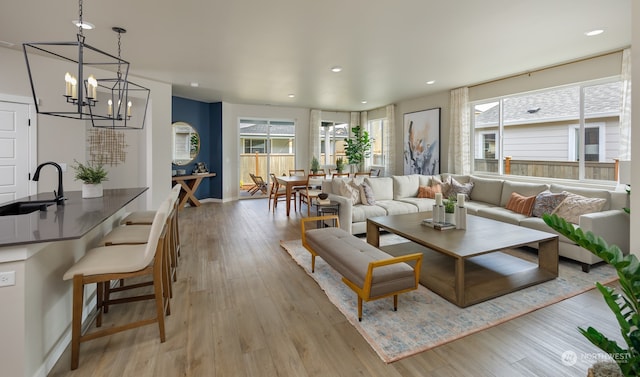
(605, 171)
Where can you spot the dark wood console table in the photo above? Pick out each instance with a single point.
(189, 185)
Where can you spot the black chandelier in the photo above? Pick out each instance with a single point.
(109, 102)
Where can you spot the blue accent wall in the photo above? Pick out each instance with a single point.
(206, 118)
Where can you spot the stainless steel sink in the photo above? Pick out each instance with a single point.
(23, 208)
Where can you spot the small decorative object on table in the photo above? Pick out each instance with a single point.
(92, 177)
(438, 225)
(323, 198)
(201, 168)
(461, 213)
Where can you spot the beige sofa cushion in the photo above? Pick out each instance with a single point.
(522, 188)
(382, 187)
(405, 186)
(486, 190)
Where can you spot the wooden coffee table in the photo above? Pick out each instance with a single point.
(469, 266)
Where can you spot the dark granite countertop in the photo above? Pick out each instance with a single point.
(71, 221)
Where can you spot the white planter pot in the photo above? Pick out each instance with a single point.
(91, 190)
(450, 218)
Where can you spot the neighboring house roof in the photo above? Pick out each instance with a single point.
(555, 105)
(260, 129)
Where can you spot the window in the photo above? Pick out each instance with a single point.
(376, 130)
(332, 137)
(255, 146)
(548, 134)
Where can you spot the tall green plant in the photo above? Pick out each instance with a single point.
(625, 306)
(358, 147)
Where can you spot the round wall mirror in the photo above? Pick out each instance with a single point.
(186, 143)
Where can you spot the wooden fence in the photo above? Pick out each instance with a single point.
(256, 163)
(605, 171)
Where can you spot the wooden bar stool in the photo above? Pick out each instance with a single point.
(139, 234)
(103, 264)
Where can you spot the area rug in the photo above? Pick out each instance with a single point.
(424, 320)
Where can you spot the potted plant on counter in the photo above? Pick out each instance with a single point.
(92, 177)
(339, 164)
(315, 165)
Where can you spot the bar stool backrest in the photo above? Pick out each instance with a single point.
(154, 235)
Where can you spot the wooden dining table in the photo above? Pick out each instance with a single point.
(290, 182)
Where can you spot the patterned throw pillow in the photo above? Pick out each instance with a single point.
(546, 202)
(521, 204)
(429, 191)
(445, 186)
(366, 194)
(574, 206)
(351, 191)
(460, 188)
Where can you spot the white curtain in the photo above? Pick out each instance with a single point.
(315, 120)
(459, 140)
(389, 140)
(364, 119)
(625, 111)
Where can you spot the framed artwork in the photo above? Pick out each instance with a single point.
(422, 142)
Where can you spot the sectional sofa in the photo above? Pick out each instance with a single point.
(487, 198)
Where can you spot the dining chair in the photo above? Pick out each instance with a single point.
(297, 172)
(103, 264)
(339, 175)
(363, 173)
(279, 193)
(374, 172)
(311, 191)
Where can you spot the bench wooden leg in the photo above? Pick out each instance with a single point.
(395, 303)
(359, 309)
(313, 263)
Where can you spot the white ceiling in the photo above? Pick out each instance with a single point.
(259, 52)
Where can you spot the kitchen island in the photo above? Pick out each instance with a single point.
(35, 251)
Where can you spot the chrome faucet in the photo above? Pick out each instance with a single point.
(60, 193)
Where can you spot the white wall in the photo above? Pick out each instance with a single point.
(231, 142)
(63, 140)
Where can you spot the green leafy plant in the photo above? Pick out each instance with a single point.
(358, 147)
(450, 205)
(625, 306)
(91, 174)
(315, 165)
(339, 164)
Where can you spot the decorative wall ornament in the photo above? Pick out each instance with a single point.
(106, 146)
(422, 142)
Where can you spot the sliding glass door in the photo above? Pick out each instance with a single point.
(266, 146)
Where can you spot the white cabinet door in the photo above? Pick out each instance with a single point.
(14, 151)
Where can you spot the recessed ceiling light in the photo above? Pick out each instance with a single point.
(363, 101)
(431, 82)
(292, 95)
(336, 69)
(194, 84)
(594, 32)
(85, 25)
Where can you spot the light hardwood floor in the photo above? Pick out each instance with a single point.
(243, 307)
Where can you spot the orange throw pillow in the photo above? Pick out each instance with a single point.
(428, 191)
(521, 204)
